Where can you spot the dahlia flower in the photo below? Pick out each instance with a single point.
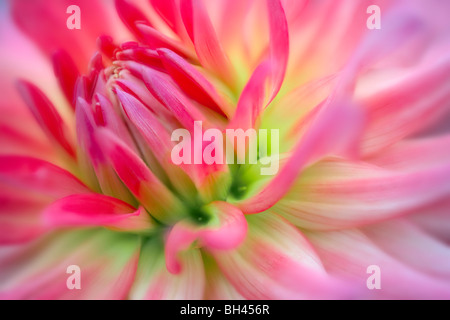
(92, 92)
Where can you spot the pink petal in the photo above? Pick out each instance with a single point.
(252, 99)
(184, 112)
(179, 239)
(434, 219)
(204, 38)
(107, 117)
(96, 210)
(46, 25)
(15, 141)
(86, 128)
(27, 186)
(13, 232)
(168, 11)
(143, 184)
(135, 87)
(193, 83)
(141, 56)
(106, 46)
(128, 165)
(302, 105)
(162, 89)
(20, 216)
(92, 159)
(147, 124)
(231, 229)
(39, 176)
(46, 115)
(334, 130)
(82, 89)
(294, 8)
(279, 44)
(406, 242)
(67, 73)
(401, 26)
(158, 140)
(227, 233)
(130, 14)
(155, 39)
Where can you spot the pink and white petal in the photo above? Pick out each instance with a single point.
(277, 262)
(336, 194)
(334, 129)
(293, 9)
(30, 142)
(96, 210)
(413, 102)
(347, 254)
(412, 246)
(39, 270)
(67, 73)
(154, 282)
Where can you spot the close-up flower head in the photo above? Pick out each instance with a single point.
(224, 149)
